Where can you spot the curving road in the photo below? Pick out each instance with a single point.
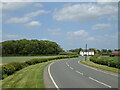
(69, 73)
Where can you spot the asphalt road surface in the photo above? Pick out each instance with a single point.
(69, 73)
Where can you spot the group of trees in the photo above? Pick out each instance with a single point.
(97, 51)
(80, 49)
(30, 47)
(39, 47)
(77, 51)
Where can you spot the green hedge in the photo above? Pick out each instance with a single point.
(110, 63)
(67, 53)
(10, 68)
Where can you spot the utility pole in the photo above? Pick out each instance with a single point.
(86, 53)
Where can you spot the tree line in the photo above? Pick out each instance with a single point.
(30, 47)
(97, 51)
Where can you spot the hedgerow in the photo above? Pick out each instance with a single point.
(10, 68)
(107, 62)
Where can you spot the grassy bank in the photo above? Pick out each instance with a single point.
(102, 67)
(29, 77)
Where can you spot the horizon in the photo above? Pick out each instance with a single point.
(68, 49)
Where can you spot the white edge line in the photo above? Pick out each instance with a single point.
(96, 69)
(52, 77)
(100, 82)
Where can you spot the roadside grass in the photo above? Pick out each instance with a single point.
(29, 77)
(10, 59)
(102, 67)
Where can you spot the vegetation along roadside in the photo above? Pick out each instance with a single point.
(10, 68)
(28, 74)
(103, 64)
(29, 77)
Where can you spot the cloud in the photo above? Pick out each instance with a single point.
(8, 6)
(104, 38)
(102, 27)
(59, 1)
(91, 38)
(9, 36)
(36, 13)
(1, 15)
(109, 41)
(20, 0)
(84, 12)
(45, 39)
(33, 23)
(55, 32)
(27, 17)
(18, 20)
(77, 34)
(108, 1)
(38, 5)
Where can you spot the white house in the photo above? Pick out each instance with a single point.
(87, 53)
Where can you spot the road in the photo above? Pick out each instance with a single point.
(69, 73)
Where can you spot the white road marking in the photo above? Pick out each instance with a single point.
(79, 72)
(71, 68)
(100, 82)
(97, 69)
(67, 64)
(52, 77)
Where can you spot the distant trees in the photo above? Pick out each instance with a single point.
(97, 51)
(30, 47)
(77, 51)
(117, 49)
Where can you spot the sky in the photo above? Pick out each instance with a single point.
(70, 24)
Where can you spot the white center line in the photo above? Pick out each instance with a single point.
(79, 72)
(99, 82)
(71, 68)
(67, 64)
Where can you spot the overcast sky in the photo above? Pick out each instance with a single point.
(71, 25)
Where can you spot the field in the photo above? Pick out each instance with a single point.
(22, 58)
(110, 58)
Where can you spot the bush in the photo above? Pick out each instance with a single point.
(67, 53)
(10, 68)
(110, 63)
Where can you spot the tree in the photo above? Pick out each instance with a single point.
(30, 47)
(104, 50)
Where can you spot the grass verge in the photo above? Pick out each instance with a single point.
(28, 77)
(102, 67)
